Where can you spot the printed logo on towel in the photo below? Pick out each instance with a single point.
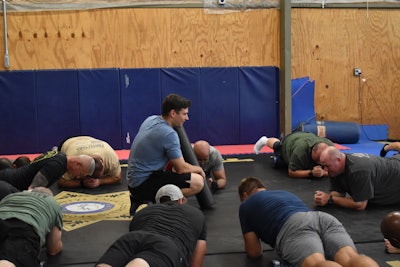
(86, 207)
(81, 210)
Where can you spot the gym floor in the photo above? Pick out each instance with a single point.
(84, 245)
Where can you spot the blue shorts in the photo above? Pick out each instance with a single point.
(306, 233)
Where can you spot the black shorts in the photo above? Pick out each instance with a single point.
(147, 190)
(19, 243)
(157, 250)
(6, 189)
(277, 147)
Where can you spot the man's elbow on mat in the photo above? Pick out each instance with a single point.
(55, 250)
(254, 256)
(53, 241)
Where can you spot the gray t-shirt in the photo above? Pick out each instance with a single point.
(214, 163)
(369, 177)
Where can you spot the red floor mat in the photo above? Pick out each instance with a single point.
(241, 149)
(224, 150)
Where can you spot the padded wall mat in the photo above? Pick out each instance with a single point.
(110, 104)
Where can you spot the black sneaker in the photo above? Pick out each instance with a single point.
(277, 162)
(383, 152)
(135, 204)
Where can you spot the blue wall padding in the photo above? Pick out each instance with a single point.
(18, 127)
(140, 98)
(185, 82)
(302, 102)
(259, 103)
(99, 103)
(338, 132)
(39, 109)
(57, 107)
(219, 99)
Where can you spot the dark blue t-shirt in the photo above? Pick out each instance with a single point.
(266, 211)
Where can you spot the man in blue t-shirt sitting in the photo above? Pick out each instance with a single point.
(156, 146)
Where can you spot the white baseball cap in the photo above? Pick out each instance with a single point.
(172, 191)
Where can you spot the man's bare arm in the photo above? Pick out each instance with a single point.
(53, 241)
(198, 254)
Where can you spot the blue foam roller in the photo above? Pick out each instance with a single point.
(338, 132)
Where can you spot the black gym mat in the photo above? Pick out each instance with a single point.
(83, 246)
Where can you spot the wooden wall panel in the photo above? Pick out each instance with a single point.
(327, 44)
(144, 37)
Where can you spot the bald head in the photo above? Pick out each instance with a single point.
(333, 160)
(390, 227)
(43, 190)
(80, 166)
(202, 150)
(88, 163)
(328, 152)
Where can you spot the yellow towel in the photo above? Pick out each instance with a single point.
(83, 209)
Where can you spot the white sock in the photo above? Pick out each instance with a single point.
(260, 144)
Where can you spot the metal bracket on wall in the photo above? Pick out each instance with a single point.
(6, 58)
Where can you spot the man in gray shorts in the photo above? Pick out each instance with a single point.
(300, 236)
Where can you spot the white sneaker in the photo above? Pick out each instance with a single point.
(260, 144)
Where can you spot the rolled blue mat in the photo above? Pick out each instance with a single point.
(338, 132)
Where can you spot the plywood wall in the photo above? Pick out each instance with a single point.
(137, 38)
(327, 44)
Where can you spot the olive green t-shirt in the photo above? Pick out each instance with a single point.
(296, 150)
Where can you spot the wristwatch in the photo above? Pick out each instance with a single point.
(310, 173)
(330, 201)
(214, 187)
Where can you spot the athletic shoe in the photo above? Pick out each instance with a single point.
(277, 162)
(383, 152)
(260, 144)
